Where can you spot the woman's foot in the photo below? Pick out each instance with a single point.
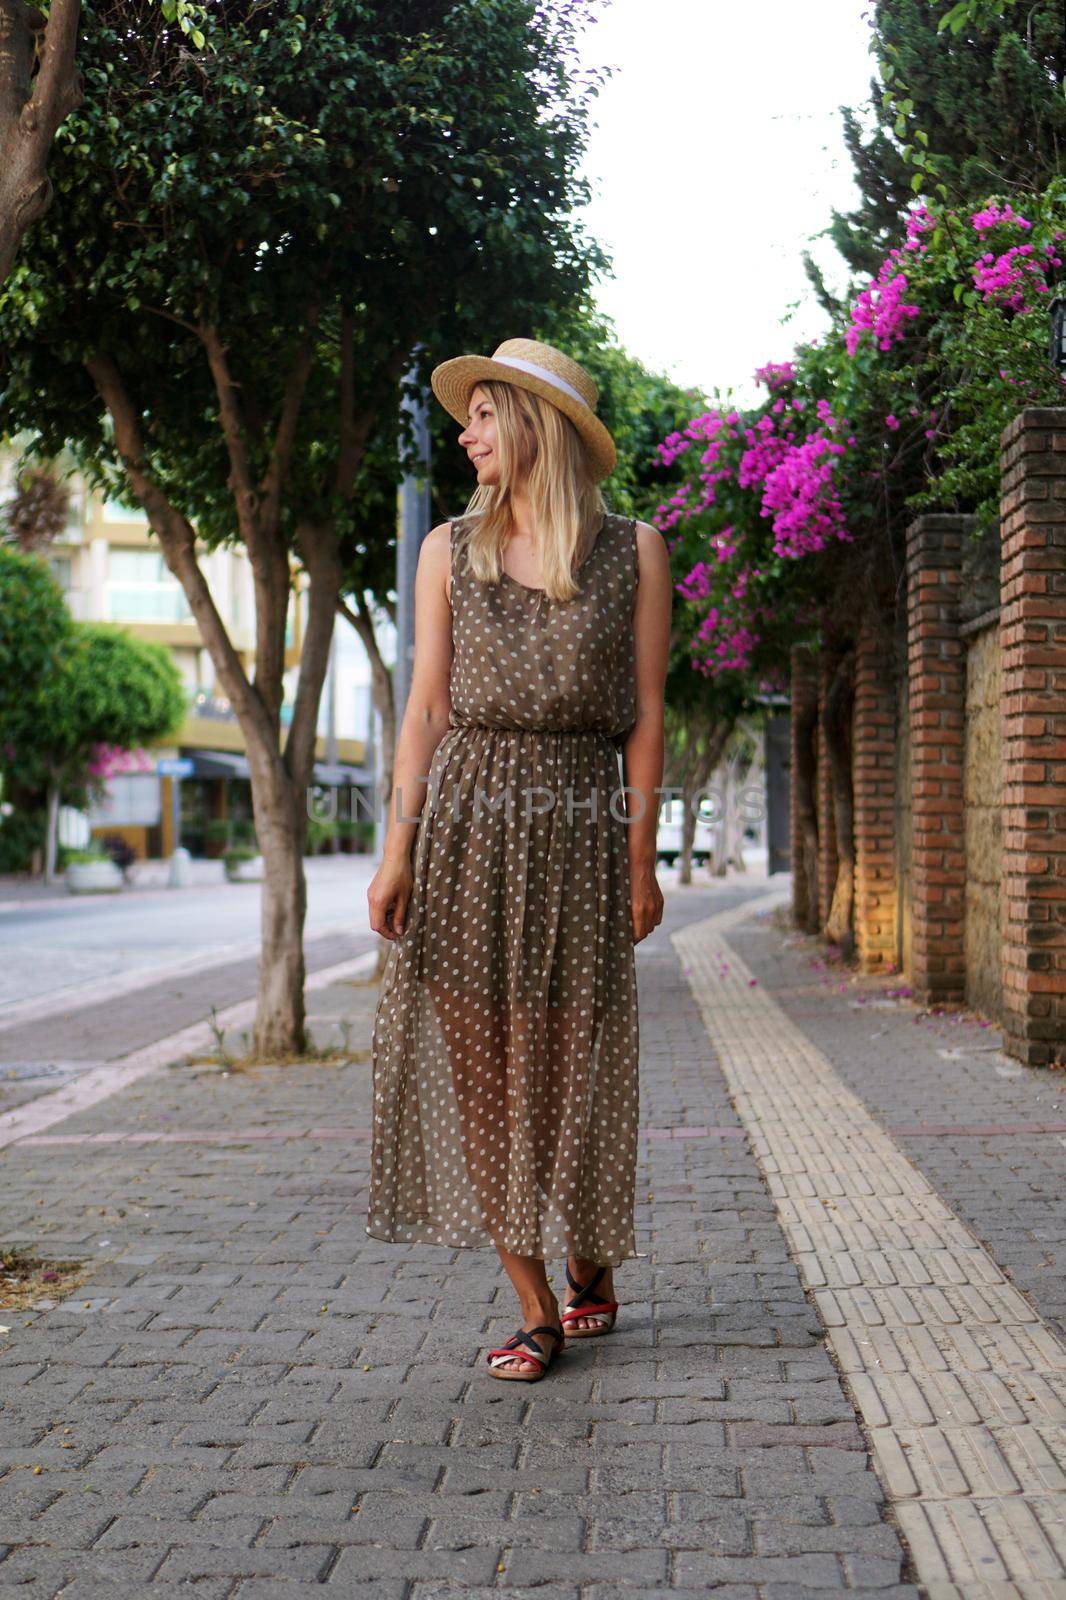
(545, 1315)
(583, 1272)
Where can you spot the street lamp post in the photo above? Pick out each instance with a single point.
(414, 515)
(412, 525)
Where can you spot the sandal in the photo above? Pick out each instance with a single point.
(606, 1311)
(524, 1336)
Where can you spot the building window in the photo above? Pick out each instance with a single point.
(114, 511)
(60, 566)
(128, 801)
(141, 588)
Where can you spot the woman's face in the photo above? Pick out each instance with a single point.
(478, 438)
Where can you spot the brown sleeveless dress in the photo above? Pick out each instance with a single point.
(505, 1041)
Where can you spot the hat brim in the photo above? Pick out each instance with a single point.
(453, 380)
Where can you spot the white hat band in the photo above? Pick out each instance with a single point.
(542, 372)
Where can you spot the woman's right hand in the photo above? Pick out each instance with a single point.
(389, 895)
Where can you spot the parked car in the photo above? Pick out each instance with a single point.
(668, 836)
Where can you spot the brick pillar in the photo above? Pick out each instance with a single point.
(874, 796)
(827, 830)
(1033, 638)
(937, 674)
(804, 711)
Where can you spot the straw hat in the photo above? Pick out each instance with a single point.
(545, 371)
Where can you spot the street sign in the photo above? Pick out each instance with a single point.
(176, 767)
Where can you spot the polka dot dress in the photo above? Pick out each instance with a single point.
(505, 1041)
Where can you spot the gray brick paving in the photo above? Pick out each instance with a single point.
(260, 1398)
(915, 1068)
(107, 1031)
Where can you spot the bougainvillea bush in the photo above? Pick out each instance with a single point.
(799, 504)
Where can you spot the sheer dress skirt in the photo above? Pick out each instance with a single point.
(505, 1047)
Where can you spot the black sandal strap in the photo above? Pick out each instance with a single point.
(525, 1336)
(582, 1294)
(555, 1332)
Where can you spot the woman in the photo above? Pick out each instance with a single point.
(505, 1041)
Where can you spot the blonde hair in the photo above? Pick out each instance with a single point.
(541, 452)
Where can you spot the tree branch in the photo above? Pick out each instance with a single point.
(178, 542)
(31, 110)
(321, 559)
(264, 544)
(58, 87)
(229, 407)
(354, 430)
(276, 475)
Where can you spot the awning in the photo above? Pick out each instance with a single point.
(217, 764)
(223, 764)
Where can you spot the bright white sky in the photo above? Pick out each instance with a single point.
(718, 155)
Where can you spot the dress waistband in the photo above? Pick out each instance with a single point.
(564, 733)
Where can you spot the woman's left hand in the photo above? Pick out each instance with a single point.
(646, 899)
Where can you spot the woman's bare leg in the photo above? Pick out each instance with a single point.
(539, 1305)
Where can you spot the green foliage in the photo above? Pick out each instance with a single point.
(236, 855)
(66, 687)
(85, 858)
(21, 833)
(954, 109)
(412, 165)
(116, 689)
(35, 634)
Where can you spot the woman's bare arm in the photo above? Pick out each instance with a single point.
(644, 752)
(425, 717)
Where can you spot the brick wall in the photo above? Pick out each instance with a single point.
(827, 833)
(874, 793)
(983, 797)
(1033, 628)
(991, 787)
(937, 676)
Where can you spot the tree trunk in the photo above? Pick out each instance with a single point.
(280, 826)
(50, 831)
(743, 763)
(692, 770)
(32, 105)
(719, 862)
(836, 722)
(804, 780)
(690, 787)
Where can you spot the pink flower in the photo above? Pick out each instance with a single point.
(992, 216)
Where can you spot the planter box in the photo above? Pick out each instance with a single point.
(246, 871)
(93, 877)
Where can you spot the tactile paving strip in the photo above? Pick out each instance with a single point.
(960, 1384)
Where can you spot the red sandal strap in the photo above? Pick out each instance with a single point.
(521, 1355)
(532, 1352)
(607, 1308)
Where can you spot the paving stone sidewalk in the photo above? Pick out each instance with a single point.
(250, 1397)
(988, 1133)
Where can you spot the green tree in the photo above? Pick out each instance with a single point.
(982, 106)
(35, 634)
(241, 281)
(67, 687)
(111, 689)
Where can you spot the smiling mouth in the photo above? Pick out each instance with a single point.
(477, 460)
